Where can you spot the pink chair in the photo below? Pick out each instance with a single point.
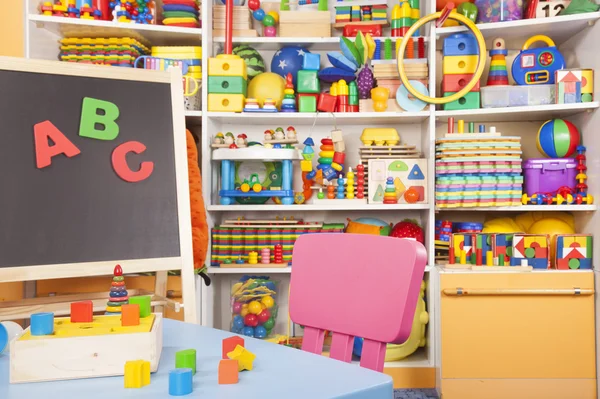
(355, 285)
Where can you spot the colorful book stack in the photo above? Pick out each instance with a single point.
(461, 55)
(342, 14)
(113, 51)
(183, 13)
(379, 12)
(478, 171)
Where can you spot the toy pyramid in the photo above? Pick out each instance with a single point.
(118, 293)
(288, 103)
(498, 75)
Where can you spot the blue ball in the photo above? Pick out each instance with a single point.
(260, 332)
(238, 322)
(236, 330)
(259, 14)
(248, 331)
(288, 59)
(358, 344)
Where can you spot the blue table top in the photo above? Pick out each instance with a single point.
(279, 372)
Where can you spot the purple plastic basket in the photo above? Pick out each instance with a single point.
(547, 175)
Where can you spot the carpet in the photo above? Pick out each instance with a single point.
(415, 394)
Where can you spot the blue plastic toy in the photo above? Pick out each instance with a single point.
(180, 382)
(42, 323)
(537, 65)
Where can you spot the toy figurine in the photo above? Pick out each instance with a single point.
(241, 140)
(229, 138)
(291, 133)
(279, 135)
(218, 138)
(268, 135)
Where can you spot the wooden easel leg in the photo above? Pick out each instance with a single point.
(160, 288)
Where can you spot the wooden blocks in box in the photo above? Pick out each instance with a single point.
(300, 23)
(242, 18)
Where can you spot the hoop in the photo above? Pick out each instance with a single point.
(480, 64)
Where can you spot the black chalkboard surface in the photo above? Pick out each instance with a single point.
(78, 209)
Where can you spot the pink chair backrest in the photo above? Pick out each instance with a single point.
(355, 285)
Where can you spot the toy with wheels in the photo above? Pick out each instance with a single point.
(558, 138)
(253, 183)
(269, 177)
(534, 66)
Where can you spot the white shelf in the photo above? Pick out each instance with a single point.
(560, 29)
(267, 270)
(524, 208)
(518, 114)
(193, 114)
(308, 118)
(317, 207)
(417, 359)
(349, 3)
(148, 34)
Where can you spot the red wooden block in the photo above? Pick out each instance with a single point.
(130, 315)
(82, 312)
(230, 343)
(455, 83)
(326, 102)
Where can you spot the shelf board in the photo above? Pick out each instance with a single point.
(308, 118)
(523, 208)
(311, 43)
(518, 114)
(147, 34)
(340, 25)
(193, 114)
(317, 207)
(269, 270)
(349, 3)
(560, 29)
(416, 360)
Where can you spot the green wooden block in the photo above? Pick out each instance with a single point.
(144, 302)
(186, 359)
(470, 101)
(308, 82)
(227, 85)
(307, 104)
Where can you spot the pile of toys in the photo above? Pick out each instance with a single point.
(86, 9)
(352, 13)
(135, 11)
(254, 306)
(404, 15)
(113, 51)
(182, 13)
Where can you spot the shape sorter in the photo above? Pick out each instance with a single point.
(85, 350)
(573, 251)
(531, 250)
(406, 173)
(458, 66)
(227, 83)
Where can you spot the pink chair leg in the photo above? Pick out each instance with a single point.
(373, 355)
(313, 340)
(341, 347)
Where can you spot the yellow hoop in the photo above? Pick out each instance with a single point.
(476, 76)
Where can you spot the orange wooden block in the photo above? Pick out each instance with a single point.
(228, 372)
(82, 312)
(130, 315)
(230, 343)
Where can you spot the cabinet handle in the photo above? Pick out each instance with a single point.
(518, 291)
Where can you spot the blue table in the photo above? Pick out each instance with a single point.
(279, 372)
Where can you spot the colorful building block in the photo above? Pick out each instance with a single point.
(460, 44)
(130, 315)
(144, 302)
(471, 100)
(459, 64)
(226, 102)
(180, 382)
(137, 374)
(454, 83)
(568, 86)
(228, 371)
(244, 357)
(42, 323)
(573, 251)
(326, 102)
(229, 344)
(186, 359)
(308, 82)
(502, 248)
(311, 62)
(82, 312)
(227, 84)
(532, 249)
(307, 104)
(227, 65)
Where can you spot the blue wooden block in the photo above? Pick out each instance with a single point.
(461, 44)
(312, 61)
(180, 382)
(42, 323)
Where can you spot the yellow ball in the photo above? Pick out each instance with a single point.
(262, 305)
(275, 16)
(267, 85)
(244, 312)
(268, 301)
(255, 307)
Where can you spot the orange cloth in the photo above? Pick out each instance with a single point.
(197, 209)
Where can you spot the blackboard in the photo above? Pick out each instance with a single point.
(78, 210)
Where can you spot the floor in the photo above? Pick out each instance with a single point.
(415, 394)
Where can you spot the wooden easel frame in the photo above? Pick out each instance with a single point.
(161, 266)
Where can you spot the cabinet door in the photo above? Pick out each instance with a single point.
(521, 335)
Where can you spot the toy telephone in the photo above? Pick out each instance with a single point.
(537, 65)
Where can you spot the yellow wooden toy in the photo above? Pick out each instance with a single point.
(226, 102)
(243, 356)
(459, 64)
(137, 374)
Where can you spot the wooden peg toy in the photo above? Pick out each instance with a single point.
(186, 359)
(137, 374)
(229, 344)
(228, 371)
(130, 315)
(82, 312)
(244, 357)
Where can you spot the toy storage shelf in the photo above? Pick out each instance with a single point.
(150, 34)
(308, 118)
(524, 208)
(518, 114)
(317, 207)
(312, 43)
(560, 29)
(279, 270)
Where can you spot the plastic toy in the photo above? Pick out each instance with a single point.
(230, 343)
(380, 136)
(459, 64)
(244, 357)
(82, 312)
(258, 317)
(498, 74)
(288, 59)
(130, 315)
(408, 229)
(558, 138)
(537, 65)
(228, 371)
(9, 330)
(573, 251)
(186, 359)
(499, 11)
(556, 175)
(268, 20)
(118, 293)
(137, 374)
(42, 323)
(180, 382)
(140, 12)
(144, 303)
(121, 52)
(255, 65)
(406, 174)
(267, 86)
(380, 96)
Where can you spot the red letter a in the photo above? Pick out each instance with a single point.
(43, 151)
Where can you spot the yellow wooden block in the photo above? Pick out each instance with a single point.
(226, 102)
(459, 64)
(137, 374)
(306, 166)
(114, 309)
(227, 65)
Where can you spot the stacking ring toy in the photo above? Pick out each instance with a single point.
(476, 76)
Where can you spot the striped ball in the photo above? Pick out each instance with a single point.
(558, 138)
(255, 64)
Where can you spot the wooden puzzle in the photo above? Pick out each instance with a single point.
(573, 251)
(532, 250)
(407, 174)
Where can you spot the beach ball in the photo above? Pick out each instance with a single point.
(267, 85)
(558, 138)
(288, 59)
(385, 231)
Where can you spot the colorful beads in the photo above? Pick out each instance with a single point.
(118, 292)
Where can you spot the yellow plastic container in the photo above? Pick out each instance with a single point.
(380, 136)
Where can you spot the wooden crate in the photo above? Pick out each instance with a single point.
(305, 23)
(52, 358)
(242, 18)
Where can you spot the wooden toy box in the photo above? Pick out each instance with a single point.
(97, 349)
(300, 23)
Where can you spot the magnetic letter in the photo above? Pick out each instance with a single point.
(121, 168)
(90, 118)
(43, 151)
